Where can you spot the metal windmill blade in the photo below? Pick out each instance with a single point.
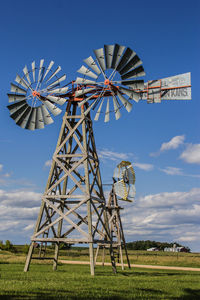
(124, 181)
(35, 96)
(110, 80)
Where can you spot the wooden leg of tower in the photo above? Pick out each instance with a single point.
(112, 259)
(119, 239)
(28, 258)
(91, 249)
(103, 256)
(30, 251)
(87, 186)
(121, 257)
(110, 239)
(124, 242)
(96, 255)
(55, 261)
(127, 258)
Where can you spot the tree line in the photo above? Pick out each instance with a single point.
(144, 245)
(136, 245)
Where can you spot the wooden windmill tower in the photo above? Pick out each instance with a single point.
(73, 205)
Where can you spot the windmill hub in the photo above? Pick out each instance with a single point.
(35, 94)
(107, 82)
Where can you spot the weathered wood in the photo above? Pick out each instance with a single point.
(64, 240)
(64, 189)
(60, 218)
(28, 258)
(66, 218)
(64, 176)
(91, 250)
(69, 155)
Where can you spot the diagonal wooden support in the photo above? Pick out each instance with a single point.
(62, 216)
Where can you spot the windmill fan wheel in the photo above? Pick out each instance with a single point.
(109, 81)
(35, 96)
(124, 181)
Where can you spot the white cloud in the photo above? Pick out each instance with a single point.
(117, 156)
(146, 167)
(18, 213)
(188, 238)
(111, 155)
(48, 163)
(149, 219)
(172, 171)
(178, 171)
(164, 217)
(8, 225)
(20, 198)
(6, 179)
(3, 176)
(191, 154)
(170, 199)
(174, 143)
(29, 227)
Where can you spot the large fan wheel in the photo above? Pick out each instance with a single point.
(113, 72)
(36, 95)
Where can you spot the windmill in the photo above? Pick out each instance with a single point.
(73, 205)
(32, 96)
(123, 189)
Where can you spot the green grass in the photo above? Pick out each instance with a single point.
(75, 282)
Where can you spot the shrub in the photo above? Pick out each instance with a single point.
(25, 248)
(8, 246)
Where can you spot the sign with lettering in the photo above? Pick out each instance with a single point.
(171, 88)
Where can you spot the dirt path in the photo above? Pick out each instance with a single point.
(133, 265)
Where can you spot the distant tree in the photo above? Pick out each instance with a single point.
(8, 246)
(64, 246)
(144, 245)
(1, 245)
(189, 250)
(26, 248)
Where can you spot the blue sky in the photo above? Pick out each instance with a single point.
(161, 140)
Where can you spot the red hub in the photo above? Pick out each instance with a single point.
(107, 82)
(35, 94)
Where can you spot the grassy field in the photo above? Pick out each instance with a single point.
(75, 281)
(136, 257)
